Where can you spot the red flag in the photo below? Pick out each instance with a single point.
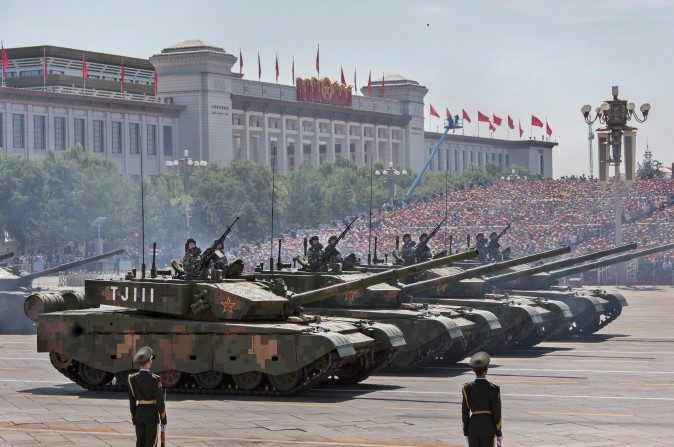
(121, 80)
(482, 117)
(276, 67)
(511, 123)
(85, 70)
(536, 122)
(45, 66)
(465, 116)
(383, 86)
(293, 71)
(521, 131)
(369, 83)
(342, 78)
(5, 61)
(240, 62)
(492, 128)
(155, 78)
(355, 86)
(497, 120)
(318, 59)
(434, 112)
(447, 112)
(548, 130)
(259, 67)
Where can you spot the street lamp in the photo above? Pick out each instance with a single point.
(184, 167)
(391, 176)
(615, 114)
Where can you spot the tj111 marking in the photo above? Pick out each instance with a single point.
(125, 296)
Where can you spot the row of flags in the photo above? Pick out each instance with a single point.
(342, 76)
(85, 70)
(495, 120)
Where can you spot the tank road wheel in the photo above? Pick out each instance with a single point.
(405, 359)
(93, 376)
(60, 361)
(123, 378)
(286, 382)
(248, 381)
(170, 378)
(209, 380)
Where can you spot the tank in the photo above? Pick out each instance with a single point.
(8, 255)
(525, 322)
(234, 336)
(545, 283)
(429, 334)
(13, 287)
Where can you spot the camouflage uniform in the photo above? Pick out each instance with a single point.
(315, 256)
(423, 251)
(334, 256)
(481, 247)
(192, 263)
(494, 248)
(408, 252)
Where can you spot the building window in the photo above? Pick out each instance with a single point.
(500, 159)
(291, 154)
(322, 152)
(168, 141)
(456, 161)
(507, 159)
(352, 151)
(80, 134)
(307, 152)
(151, 139)
(39, 132)
(99, 136)
(18, 127)
(59, 133)
(116, 137)
(338, 150)
(541, 162)
(134, 138)
(2, 127)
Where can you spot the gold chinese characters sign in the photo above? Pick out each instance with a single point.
(323, 90)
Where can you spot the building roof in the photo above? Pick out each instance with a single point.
(511, 144)
(75, 54)
(192, 45)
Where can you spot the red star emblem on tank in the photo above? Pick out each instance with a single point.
(228, 305)
(442, 288)
(350, 296)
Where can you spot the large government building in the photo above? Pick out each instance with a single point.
(218, 115)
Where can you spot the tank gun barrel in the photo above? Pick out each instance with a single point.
(507, 277)
(609, 261)
(483, 269)
(9, 254)
(377, 278)
(69, 265)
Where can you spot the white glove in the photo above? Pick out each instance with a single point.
(162, 427)
(499, 441)
(467, 442)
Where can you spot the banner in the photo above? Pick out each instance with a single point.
(323, 90)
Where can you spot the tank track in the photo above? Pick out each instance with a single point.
(380, 361)
(190, 387)
(428, 352)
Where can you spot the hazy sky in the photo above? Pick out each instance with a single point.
(518, 57)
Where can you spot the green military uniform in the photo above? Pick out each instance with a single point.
(408, 251)
(481, 407)
(146, 399)
(192, 261)
(481, 247)
(315, 254)
(423, 251)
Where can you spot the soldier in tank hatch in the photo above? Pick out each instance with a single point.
(423, 251)
(192, 260)
(408, 249)
(315, 254)
(481, 247)
(146, 399)
(481, 406)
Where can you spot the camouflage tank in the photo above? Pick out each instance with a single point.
(429, 335)
(13, 286)
(543, 282)
(219, 336)
(524, 323)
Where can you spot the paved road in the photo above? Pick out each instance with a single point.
(612, 389)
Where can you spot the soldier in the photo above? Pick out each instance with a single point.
(481, 247)
(192, 260)
(408, 250)
(493, 247)
(146, 399)
(481, 406)
(217, 262)
(315, 254)
(334, 256)
(423, 251)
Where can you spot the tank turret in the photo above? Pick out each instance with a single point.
(8, 255)
(10, 282)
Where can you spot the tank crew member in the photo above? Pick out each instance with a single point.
(146, 398)
(334, 256)
(481, 406)
(192, 260)
(315, 254)
(408, 249)
(481, 247)
(216, 261)
(423, 251)
(493, 247)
